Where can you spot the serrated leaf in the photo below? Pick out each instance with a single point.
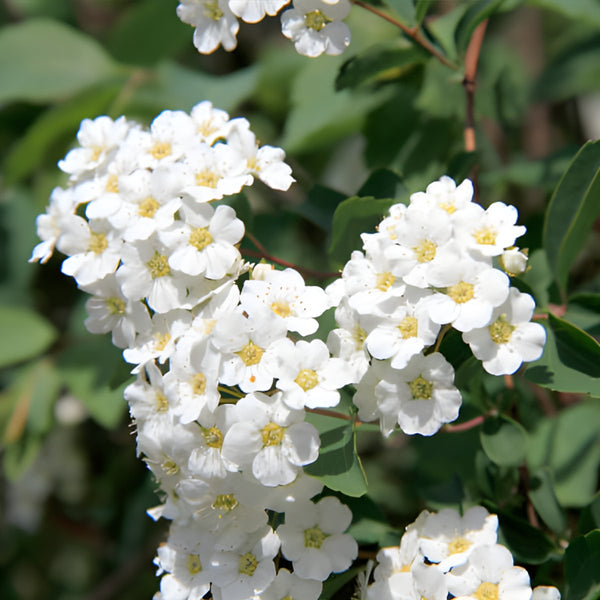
(25, 334)
(541, 494)
(570, 362)
(352, 217)
(385, 62)
(43, 60)
(504, 441)
(573, 209)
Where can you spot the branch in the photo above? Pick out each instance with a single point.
(412, 32)
(262, 253)
(471, 59)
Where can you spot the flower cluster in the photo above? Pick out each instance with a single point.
(314, 26)
(430, 266)
(444, 555)
(222, 379)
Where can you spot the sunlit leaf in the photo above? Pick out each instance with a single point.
(504, 441)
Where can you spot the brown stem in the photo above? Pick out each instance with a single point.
(262, 253)
(412, 32)
(471, 60)
(329, 413)
(531, 514)
(470, 424)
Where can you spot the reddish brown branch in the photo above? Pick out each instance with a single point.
(262, 253)
(412, 32)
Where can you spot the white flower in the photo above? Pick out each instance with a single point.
(514, 261)
(490, 574)
(313, 539)
(253, 11)
(545, 592)
(510, 338)
(211, 123)
(272, 439)
(286, 294)
(444, 194)
(203, 243)
(307, 374)
(214, 24)
(316, 26)
(289, 585)
(448, 539)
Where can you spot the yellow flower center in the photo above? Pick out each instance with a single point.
(194, 566)
(158, 265)
(200, 238)
(420, 388)
(170, 467)
(458, 545)
(212, 10)
(281, 308)
(207, 178)
(449, 207)
(148, 207)
(501, 330)
(213, 437)
(272, 434)
(485, 236)
(96, 152)
(408, 327)
(461, 292)
(198, 384)
(425, 251)
(248, 564)
(112, 184)
(98, 243)
(115, 306)
(250, 354)
(161, 340)
(314, 537)
(316, 20)
(385, 281)
(225, 502)
(487, 591)
(162, 404)
(307, 379)
(160, 150)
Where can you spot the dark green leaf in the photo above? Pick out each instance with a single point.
(352, 217)
(570, 362)
(385, 62)
(587, 11)
(320, 205)
(573, 209)
(583, 310)
(336, 581)
(405, 9)
(384, 183)
(504, 441)
(444, 28)
(43, 60)
(20, 456)
(582, 567)
(421, 8)
(541, 494)
(476, 13)
(25, 334)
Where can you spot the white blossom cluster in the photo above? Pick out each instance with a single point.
(430, 266)
(314, 26)
(223, 379)
(445, 555)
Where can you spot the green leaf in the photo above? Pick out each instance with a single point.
(20, 456)
(574, 72)
(538, 277)
(338, 465)
(25, 334)
(582, 567)
(337, 581)
(55, 125)
(87, 369)
(573, 209)
(587, 11)
(43, 60)
(177, 88)
(45, 388)
(476, 13)
(421, 8)
(319, 206)
(383, 183)
(527, 543)
(583, 310)
(541, 494)
(570, 362)
(405, 9)
(381, 63)
(442, 94)
(569, 445)
(504, 441)
(444, 27)
(351, 218)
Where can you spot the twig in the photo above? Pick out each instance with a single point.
(262, 253)
(470, 424)
(471, 60)
(412, 32)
